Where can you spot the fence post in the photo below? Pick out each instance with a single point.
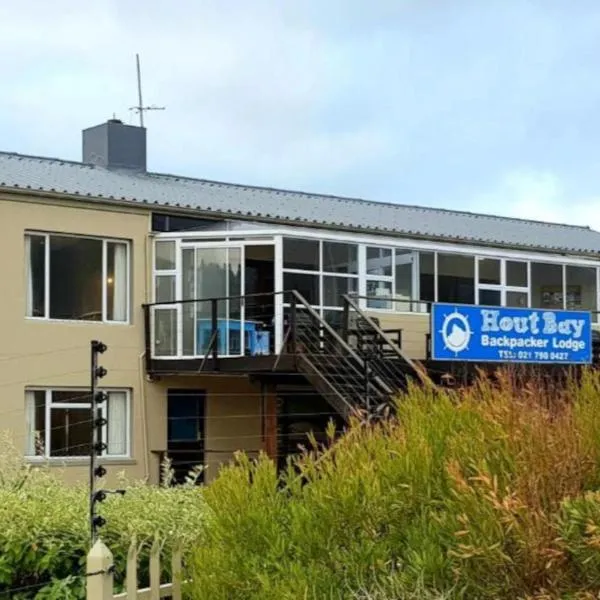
(131, 578)
(99, 574)
(176, 572)
(155, 570)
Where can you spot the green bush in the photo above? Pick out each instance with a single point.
(44, 527)
(474, 493)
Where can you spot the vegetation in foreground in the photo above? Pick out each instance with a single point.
(44, 527)
(488, 492)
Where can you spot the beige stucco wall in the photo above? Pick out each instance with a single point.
(414, 327)
(233, 418)
(57, 354)
(36, 353)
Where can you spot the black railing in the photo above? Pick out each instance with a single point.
(344, 378)
(211, 328)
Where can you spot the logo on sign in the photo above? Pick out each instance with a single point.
(506, 334)
(456, 332)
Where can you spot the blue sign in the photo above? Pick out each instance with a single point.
(495, 334)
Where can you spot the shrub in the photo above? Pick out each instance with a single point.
(44, 526)
(471, 493)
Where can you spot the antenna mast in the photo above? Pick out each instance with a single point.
(140, 108)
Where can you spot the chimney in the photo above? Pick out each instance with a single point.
(114, 145)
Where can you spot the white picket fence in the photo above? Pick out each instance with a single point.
(100, 580)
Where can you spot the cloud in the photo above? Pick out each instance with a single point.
(412, 101)
(538, 195)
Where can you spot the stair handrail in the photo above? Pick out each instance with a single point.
(420, 372)
(340, 340)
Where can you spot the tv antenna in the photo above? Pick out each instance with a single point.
(140, 109)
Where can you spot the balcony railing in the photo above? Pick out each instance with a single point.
(257, 325)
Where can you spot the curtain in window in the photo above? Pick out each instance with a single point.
(29, 424)
(117, 423)
(29, 275)
(119, 296)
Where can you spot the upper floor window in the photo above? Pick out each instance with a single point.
(77, 278)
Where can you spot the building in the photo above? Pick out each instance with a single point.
(235, 317)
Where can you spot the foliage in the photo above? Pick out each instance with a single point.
(489, 491)
(44, 527)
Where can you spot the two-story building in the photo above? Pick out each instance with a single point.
(236, 317)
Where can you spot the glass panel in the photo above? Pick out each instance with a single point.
(36, 269)
(335, 287)
(211, 282)
(306, 285)
(35, 405)
(581, 288)
(456, 278)
(427, 276)
(70, 397)
(516, 299)
(376, 289)
(185, 419)
(70, 433)
(490, 297)
(301, 254)
(489, 271)
(340, 258)
(404, 274)
(165, 331)
(75, 278)
(334, 318)
(165, 288)
(116, 281)
(116, 434)
(188, 291)
(546, 286)
(164, 256)
(516, 273)
(236, 327)
(379, 261)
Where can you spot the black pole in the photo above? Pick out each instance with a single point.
(93, 367)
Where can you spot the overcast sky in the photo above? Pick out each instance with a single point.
(490, 105)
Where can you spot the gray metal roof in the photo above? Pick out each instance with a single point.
(238, 201)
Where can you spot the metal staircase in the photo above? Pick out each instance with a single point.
(358, 371)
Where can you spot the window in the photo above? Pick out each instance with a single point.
(380, 277)
(302, 255)
(58, 423)
(502, 282)
(77, 278)
(322, 271)
(427, 276)
(391, 276)
(547, 285)
(340, 258)
(161, 222)
(456, 278)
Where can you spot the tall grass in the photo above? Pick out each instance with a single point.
(490, 491)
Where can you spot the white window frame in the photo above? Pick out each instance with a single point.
(320, 273)
(248, 233)
(503, 288)
(105, 241)
(50, 405)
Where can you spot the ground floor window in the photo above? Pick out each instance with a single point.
(58, 423)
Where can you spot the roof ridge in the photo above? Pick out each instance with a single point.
(396, 205)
